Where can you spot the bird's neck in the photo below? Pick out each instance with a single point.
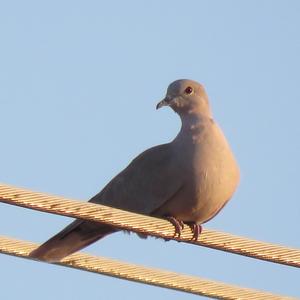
(193, 120)
(193, 126)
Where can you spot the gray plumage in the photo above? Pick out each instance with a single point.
(190, 178)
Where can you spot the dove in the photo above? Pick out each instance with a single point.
(188, 180)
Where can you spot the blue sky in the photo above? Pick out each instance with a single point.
(79, 81)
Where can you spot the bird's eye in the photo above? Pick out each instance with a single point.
(188, 90)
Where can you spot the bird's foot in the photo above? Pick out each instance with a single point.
(178, 224)
(196, 230)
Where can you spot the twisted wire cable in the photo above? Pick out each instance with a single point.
(151, 276)
(148, 225)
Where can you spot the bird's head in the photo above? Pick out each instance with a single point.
(186, 97)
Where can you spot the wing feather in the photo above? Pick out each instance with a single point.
(150, 180)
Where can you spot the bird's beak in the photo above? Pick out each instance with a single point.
(163, 102)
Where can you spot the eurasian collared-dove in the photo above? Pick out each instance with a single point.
(187, 180)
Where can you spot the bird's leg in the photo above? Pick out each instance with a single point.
(178, 224)
(196, 230)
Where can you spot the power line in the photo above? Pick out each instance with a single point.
(148, 225)
(151, 276)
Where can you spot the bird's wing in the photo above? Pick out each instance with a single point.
(147, 183)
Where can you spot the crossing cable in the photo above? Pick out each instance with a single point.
(151, 276)
(148, 225)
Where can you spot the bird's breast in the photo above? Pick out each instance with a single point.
(211, 177)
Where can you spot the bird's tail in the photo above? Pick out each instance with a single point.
(74, 237)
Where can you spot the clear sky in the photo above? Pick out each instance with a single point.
(79, 81)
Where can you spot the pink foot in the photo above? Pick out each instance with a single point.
(179, 225)
(196, 229)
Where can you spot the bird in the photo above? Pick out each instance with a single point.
(188, 180)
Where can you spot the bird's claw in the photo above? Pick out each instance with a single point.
(178, 224)
(196, 230)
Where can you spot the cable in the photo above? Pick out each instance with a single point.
(151, 276)
(148, 225)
